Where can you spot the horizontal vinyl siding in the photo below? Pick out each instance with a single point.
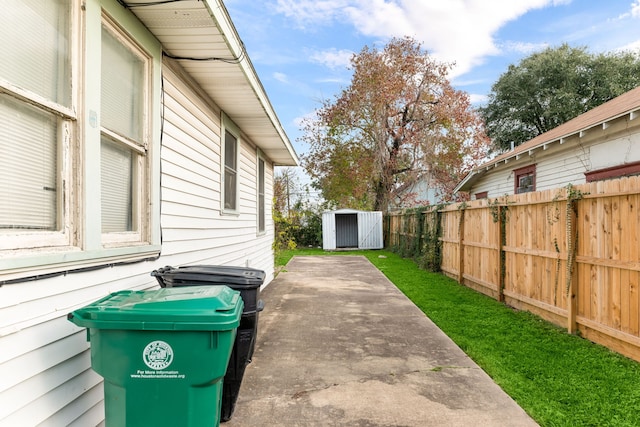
(45, 367)
(194, 229)
(495, 184)
(566, 163)
(554, 169)
(562, 168)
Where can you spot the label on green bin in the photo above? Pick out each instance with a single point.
(158, 356)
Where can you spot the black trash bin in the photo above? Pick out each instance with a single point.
(243, 279)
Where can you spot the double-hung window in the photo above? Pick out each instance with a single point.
(230, 167)
(37, 123)
(261, 196)
(79, 136)
(123, 139)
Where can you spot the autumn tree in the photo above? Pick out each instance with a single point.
(398, 121)
(551, 87)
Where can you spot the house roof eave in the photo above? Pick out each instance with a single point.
(200, 35)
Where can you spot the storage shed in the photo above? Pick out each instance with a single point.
(352, 229)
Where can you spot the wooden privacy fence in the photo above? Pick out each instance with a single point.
(570, 255)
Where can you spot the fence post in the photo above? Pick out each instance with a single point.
(501, 255)
(572, 271)
(461, 248)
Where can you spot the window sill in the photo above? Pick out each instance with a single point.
(22, 265)
(229, 212)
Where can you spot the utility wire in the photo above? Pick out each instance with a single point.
(233, 60)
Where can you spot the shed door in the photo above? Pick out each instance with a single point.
(370, 230)
(347, 230)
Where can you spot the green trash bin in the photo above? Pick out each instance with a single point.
(162, 353)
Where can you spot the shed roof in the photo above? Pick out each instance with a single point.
(626, 104)
(346, 211)
(200, 35)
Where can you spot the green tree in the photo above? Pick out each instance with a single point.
(551, 87)
(297, 216)
(398, 121)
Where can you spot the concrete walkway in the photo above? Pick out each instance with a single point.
(340, 345)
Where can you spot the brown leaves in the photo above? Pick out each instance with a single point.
(399, 120)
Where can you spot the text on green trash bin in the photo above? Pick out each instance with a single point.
(157, 355)
(159, 374)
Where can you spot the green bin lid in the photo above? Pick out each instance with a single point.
(197, 308)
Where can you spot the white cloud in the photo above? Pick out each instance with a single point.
(634, 12)
(635, 9)
(459, 31)
(477, 99)
(524, 48)
(310, 12)
(633, 46)
(300, 120)
(333, 58)
(281, 77)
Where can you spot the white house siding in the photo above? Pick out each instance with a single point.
(566, 163)
(45, 375)
(625, 135)
(45, 368)
(194, 229)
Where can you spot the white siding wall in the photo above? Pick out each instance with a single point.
(560, 165)
(45, 374)
(194, 229)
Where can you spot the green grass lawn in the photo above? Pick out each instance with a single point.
(557, 378)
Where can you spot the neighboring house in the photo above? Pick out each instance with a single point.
(131, 138)
(600, 144)
(422, 192)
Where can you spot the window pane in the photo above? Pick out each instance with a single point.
(122, 96)
(230, 173)
(28, 155)
(230, 143)
(261, 204)
(34, 41)
(117, 171)
(229, 189)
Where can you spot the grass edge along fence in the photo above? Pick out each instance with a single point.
(557, 378)
(569, 255)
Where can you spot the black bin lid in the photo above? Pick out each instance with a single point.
(214, 274)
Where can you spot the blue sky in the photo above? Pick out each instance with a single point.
(301, 48)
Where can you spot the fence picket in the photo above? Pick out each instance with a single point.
(516, 250)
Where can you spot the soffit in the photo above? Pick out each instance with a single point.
(203, 31)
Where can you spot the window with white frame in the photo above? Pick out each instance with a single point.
(37, 122)
(261, 196)
(230, 178)
(76, 186)
(123, 145)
